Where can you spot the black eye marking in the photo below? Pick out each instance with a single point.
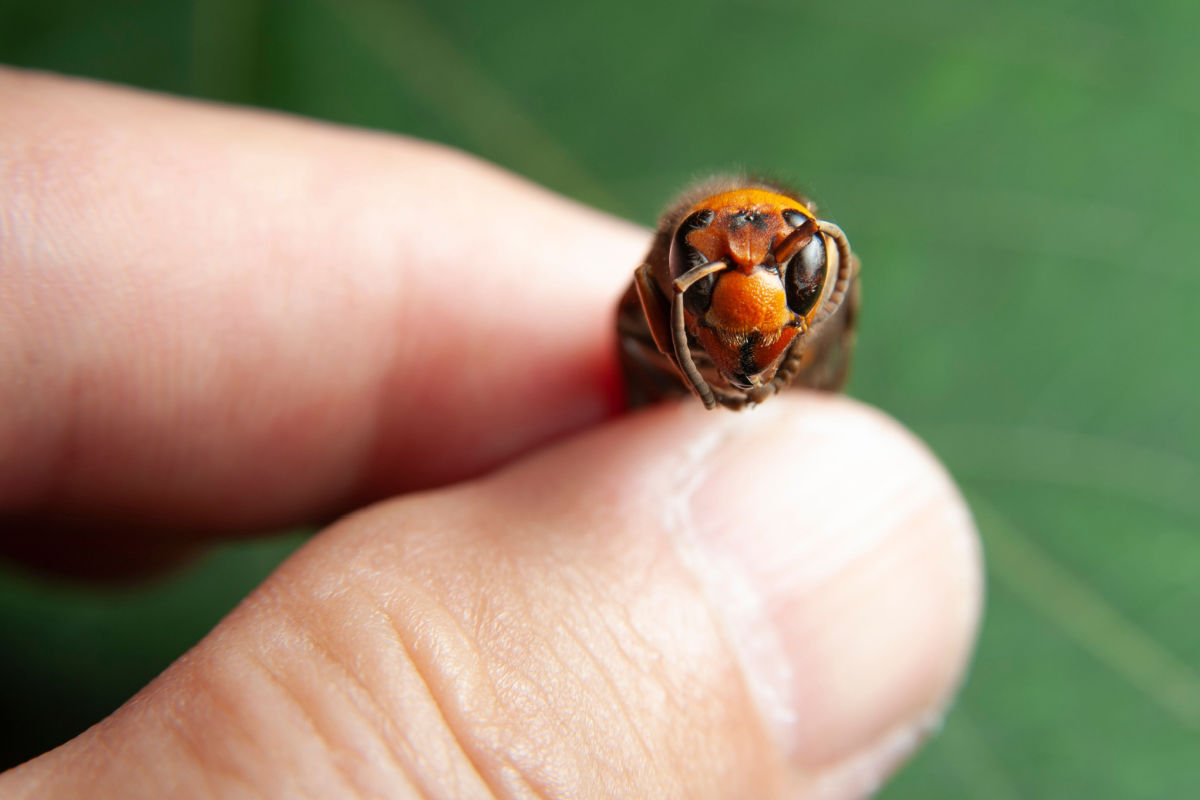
(806, 275)
(794, 218)
(747, 360)
(683, 256)
(747, 363)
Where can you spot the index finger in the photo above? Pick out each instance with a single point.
(220, 319)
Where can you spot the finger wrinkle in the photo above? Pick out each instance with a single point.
(357, 692)
(297, 703)
(486, 763)
(475, 776)
(418, 635)
(348, 765)
(347, 616)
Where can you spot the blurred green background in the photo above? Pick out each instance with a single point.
(1021, 180)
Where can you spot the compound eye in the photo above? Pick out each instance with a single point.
(683, 256)
(793, 217)
(806, 275)
(698, 296)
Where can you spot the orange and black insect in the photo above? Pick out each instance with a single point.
(744, 292)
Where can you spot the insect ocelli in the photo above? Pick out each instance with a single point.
(744, 292)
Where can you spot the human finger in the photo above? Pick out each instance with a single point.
(215, 319)
(777, 604)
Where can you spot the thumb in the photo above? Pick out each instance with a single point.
(681, 604)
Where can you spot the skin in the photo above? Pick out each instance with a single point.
(215, 322)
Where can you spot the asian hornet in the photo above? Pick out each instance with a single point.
(744, 292)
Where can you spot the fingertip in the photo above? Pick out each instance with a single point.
(839, 557)
(861, 555)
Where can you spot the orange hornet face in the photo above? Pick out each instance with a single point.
(752, 266)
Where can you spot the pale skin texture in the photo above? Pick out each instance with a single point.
(217, 322)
